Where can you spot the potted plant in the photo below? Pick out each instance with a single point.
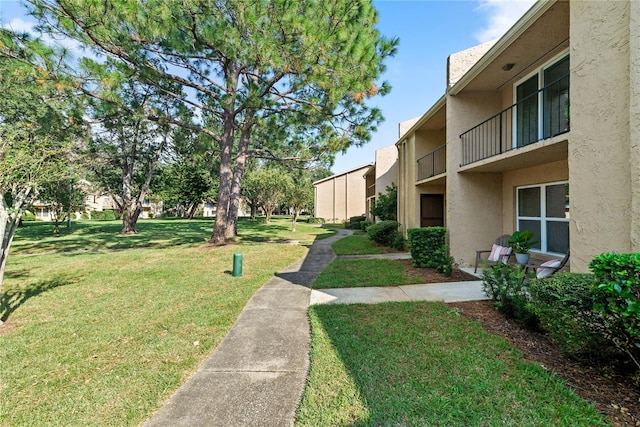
(520, 242)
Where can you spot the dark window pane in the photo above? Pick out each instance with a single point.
(532, 225)
(529, 202)
(557, 199)
(556, 98)
(527, 112)
(557, 237)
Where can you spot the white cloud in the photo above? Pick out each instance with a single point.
(20, 25)
(501, 15)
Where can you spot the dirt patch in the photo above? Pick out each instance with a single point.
(431, 275)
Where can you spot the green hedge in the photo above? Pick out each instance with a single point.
(429, 249)
(564, 306)
(386, 233)
(354, 222)
(617, 299)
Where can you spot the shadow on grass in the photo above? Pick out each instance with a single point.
(12, 299)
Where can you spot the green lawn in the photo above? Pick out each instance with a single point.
(364, 273)
(104, 338)
(422, 364)
(356, 245)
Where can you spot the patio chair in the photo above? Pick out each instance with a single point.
(499, 252)
(548, 268)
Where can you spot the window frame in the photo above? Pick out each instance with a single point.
(539, 71)
(544, 220)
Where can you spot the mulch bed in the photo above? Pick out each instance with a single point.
(614, 394)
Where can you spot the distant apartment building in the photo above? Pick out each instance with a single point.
(341, 196)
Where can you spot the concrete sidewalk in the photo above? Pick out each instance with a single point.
(256, 376)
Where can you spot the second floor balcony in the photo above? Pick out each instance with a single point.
(538, 116)
(433, 163)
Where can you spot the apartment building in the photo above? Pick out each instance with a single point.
(539, 130)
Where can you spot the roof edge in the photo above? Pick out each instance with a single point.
(366, 165)
(505, 41)
(440, 103)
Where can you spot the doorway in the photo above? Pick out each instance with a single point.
(432, 210)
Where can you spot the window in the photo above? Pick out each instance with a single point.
(544, 210)
(542, 113)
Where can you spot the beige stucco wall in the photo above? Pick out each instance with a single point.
(474, 200)
(386, 168)
(341, 196)
(634, 121)
(406, 181)
(403, 127)
(599, 151)
(460, 62)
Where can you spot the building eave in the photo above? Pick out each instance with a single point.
(533, 14)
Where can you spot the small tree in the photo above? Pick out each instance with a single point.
(268, 187)
(386, 206)
(38, 122)
(64, 196)
(299, 196)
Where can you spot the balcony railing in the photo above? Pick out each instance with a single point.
(539, 116)
(371, 190)
(433, 163)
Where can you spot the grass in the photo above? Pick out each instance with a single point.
(364, 273)
(422, 364)
(104, 338)
(37, 237)
(356, 245)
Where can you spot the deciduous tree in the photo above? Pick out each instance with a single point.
(38, 122)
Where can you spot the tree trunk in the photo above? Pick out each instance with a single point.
(9, 224)
(130, 214)
(219, 235)
(294, 219)
(238, 172)
(268, 213)
(192, 210)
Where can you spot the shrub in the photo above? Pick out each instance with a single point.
(386, 205)
(28, 216)
(617, 299)
(383, 233)
(315, 220)
(398, 241)
(505, 285)
(365, 224)
(354, 222)
(429, 249)
(564, 306)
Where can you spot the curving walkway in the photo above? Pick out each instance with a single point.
(257, 374)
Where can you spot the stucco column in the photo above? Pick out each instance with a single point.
(634, 121)
(599, 147)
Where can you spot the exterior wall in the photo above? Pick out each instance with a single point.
(406, 183)
(403, 127)
(342, 196)
(474, 211)
(460, 62)
(599, 166)
(634, 121)
(386, 168)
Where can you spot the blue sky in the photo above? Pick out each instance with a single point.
(429, 31)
